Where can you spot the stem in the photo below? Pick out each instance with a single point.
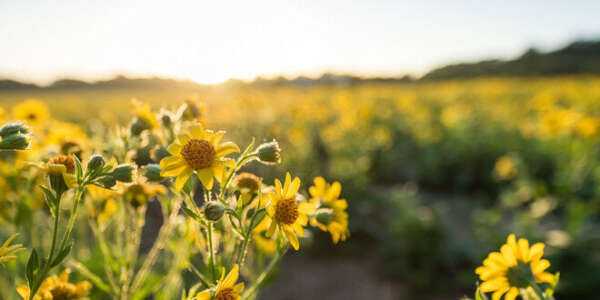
(261, 278)
(537, 290)
(77, 199)
(211, 251)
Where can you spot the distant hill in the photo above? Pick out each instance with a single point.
(580, 57)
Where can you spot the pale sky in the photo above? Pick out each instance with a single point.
(211, 41)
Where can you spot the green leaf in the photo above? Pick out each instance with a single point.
(61, 255)
(50, 199)
(33, 265)
(480, 295)
(191, 214)
(79, 169)
(258, 217)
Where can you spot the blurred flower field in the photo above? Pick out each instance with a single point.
(435, 175)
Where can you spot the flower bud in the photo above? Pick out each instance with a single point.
(324, 217)
(137, 127)
(123, 173)
(15, 142)
(213, 211)
(13, 128)
(96, 162)
(269, 153)
(166, 119)
(159, 153)
(107, 181)
(152, 172)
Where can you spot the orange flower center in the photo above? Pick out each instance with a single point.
(287, 211)
(226, 294)
(66, 160)
(198, 154)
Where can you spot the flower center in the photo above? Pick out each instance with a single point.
(63, 292)
(287, 211)
(226, 294)
(520, 275)
(65, 160)
(198, 154)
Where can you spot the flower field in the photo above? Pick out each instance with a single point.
(201, 192)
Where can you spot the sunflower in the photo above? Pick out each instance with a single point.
(285, 213)
(198, 152)
(33, 111)
(58, 288)
(138, 193)
(226, 287)
(193, 110)
(144, 114)
(331, 215)
(69, 138)
(517, 266)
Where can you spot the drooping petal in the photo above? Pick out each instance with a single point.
(498, 294)
(204, 295)
(512, 294)
(544, 277)
(206, 177)
(291, 236)
(493, 285)
(271, 229)
(182, 178)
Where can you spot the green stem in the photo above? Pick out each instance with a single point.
(261, 278)
(211, 251)
(537, 290)
(77, 199)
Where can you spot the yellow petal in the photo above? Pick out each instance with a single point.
(536, 251)
(23, 291)
(278, 189)
(512, 294)
(291, 236)
(183, 138)
(524, 249)
(334, 191)
(539, 266)
(182, 178)
(508, 254)
(206, 177)
(219, 173)
(286, 185)
(226, 148)
(232, 277)
(204, 295)
(271, 229)
(499, 293)
(173, 170)
(197, 131)
(293, 188)
(544, 277)
(167, 161)
(216, 137)
(174, 149)
(238, 288)
(493, 285)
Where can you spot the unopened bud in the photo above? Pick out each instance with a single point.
(107, 181)
(15, 142)
(152, 172)
(13, 128)
(96, 162)
(159, 153)
(213, 211)
(324, 217)
(137, 127)
(269, 153)
(123, 173)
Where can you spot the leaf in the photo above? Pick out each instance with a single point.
(33, 265)
(191, 214)
(50, 199)
(79, 169)
(61, 255)
(479, 295)
(258, 217)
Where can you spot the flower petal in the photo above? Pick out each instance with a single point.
(226, 148)
(206, 177)
(182, 178)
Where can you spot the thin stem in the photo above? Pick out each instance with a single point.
(537, 290)
(211, 250)
(261, 278)
(77, 199)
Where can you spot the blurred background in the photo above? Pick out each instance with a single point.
(449, 124)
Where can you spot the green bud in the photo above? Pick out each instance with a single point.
(123, 173)
(13, 128)
(213, 211)
(96, 162)
(137, 127)
(324, 217)
(152, 172)
(166, 120)
(107, 181)
(269, 153)
(15, 142)
(159, 153)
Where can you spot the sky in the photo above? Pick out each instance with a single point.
(212, 41)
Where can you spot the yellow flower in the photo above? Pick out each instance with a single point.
(331, 215)
(144, 114)
(263, 243)
(198, 152)
(193, 111)
(227, 289)
(32, 111)
(285, 213)
(69, 138)
(505, 168)
(8, 251)
(138, 193)
(61, 171)
(247, 184)
(57, 288)
(516, 266)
